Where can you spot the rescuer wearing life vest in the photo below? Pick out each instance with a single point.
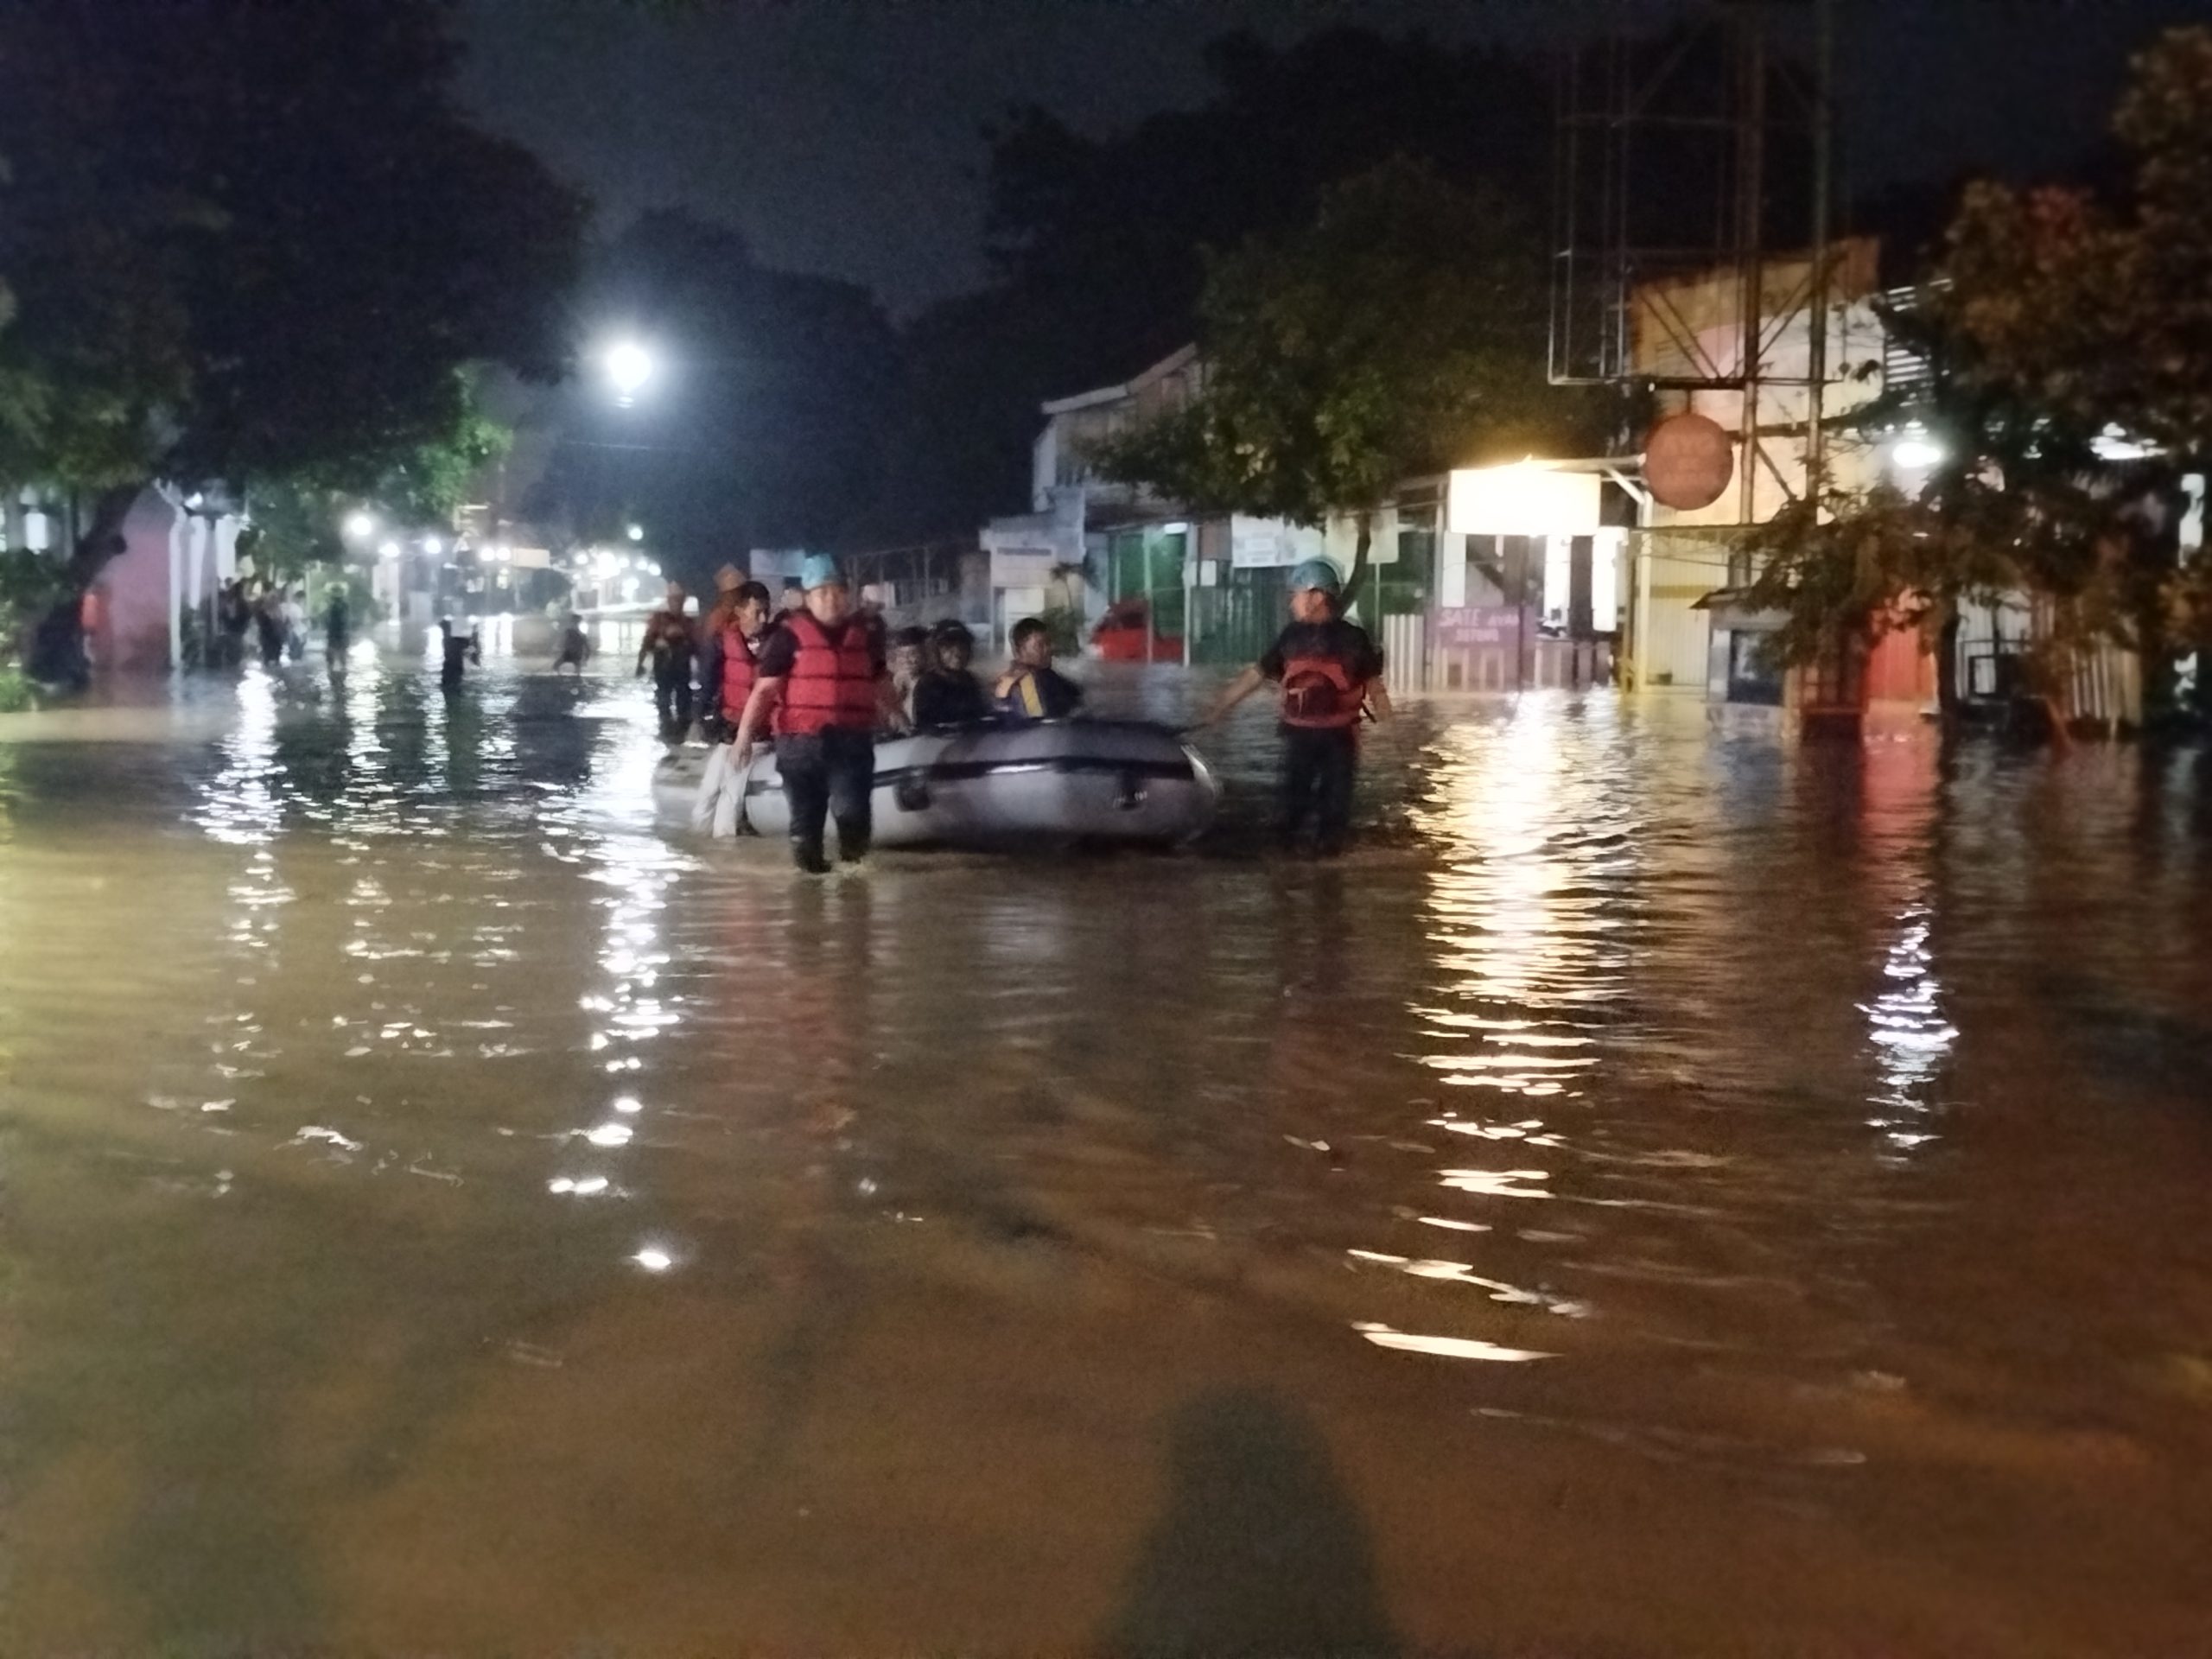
(729, 665)
(822, 676)
(1330, 675)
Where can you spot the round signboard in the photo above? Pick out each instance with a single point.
(1688, 460)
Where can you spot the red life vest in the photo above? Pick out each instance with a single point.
(1318, 694)
(830, 685)
(740, 668)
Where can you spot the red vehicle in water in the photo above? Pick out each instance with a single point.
(1124, 635)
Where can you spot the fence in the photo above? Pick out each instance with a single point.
(1412, 663)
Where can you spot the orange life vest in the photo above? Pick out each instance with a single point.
(831, 686)
(740, 668)
(1319, 693)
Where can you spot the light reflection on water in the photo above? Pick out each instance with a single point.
(499, 1144)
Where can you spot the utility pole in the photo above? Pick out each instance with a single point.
(1749, 241)
(1816, 365)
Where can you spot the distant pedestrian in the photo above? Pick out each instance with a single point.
(669, 648)
(234, 615)
(575, 645)
(337, 631)
(268, 627)
(293, 609)
(460, 651)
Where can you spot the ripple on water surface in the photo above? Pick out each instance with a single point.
(459, 1208)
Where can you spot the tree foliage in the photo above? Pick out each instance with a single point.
(1098, 241)
(1401, 333)
(252, 241)
(2102, 311)
(2058, 315)
(296, 520)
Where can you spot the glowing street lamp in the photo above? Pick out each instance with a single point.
(433, 546)
(637, 532)
(629, 366)
(360, 525)
(1917, 452)
(388, 550)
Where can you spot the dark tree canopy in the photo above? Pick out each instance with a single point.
(761, 424)
(249, 240)
(1098, 242)
(1401, 333)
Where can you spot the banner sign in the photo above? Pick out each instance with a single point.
(1484, 625)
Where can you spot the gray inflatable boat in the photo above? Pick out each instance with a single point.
(1043, 781)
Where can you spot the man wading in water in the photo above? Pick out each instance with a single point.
(822, 676)
(669, 646)
(1330, 675)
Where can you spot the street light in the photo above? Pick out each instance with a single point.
(637, 532)
(1916, 451)
(433, 546)
(388, 550)
(360, 525)
(629, 366)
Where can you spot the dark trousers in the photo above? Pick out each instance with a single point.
(828, 773)
(1317, 772)
(672, 701)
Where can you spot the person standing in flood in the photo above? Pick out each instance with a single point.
(269, 626)
(1332, 676)
(669, 648)
(729, 666)
(460, 651)
(337, 631)
(822, 677)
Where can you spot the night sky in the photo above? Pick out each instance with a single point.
(842, 135)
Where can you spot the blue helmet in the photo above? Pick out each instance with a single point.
(1317, 574)
(819, 570)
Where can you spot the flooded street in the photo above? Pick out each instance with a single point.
(1661, 1195)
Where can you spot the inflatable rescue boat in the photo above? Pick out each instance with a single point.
(1055, 780)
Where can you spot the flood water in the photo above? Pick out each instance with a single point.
(1661, 1195)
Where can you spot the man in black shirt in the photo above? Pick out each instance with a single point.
(669, 646)
(1330, 675)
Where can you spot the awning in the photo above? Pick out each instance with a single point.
(1731, 609)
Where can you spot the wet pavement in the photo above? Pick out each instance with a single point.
(1661, 1195)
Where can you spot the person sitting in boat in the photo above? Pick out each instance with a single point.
(1031, 687)
(948, 694)
(908, 657)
